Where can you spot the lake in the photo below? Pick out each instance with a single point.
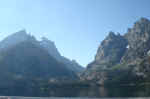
(13, 97)
(94, 92)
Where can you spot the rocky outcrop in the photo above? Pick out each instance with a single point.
(110, 51)
(138, 40)
(108, 55)
(122, 58)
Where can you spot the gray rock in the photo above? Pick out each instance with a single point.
(123, 59)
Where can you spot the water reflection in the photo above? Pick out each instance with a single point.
(84, 91)
(111, 91)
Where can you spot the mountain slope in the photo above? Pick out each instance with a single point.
(48, 45)
(26, 68)
(51, 48)
(29, 60)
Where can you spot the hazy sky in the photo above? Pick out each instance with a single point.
(76, 26)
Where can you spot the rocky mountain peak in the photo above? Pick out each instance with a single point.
(23, 31)
(111, 34)
(140, 26)
(111, 38)
(138, 39)
(140, 30)
(110, 51)
(142, 21)
(48, 42)
(16, 38)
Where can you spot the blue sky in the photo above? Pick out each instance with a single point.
(76, 26)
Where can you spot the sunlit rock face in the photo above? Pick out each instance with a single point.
(122, 57)
(111, 50)
(138, 39)
(108, 55)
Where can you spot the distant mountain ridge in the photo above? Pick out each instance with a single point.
(28, 60)
(48, 45)
(29, 67)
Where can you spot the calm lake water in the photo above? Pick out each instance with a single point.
(113, 91)
(65, 98)
(97, 92)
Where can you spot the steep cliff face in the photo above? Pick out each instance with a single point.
(109, 54)
(138, 40)
(137, 54)
(122, 58)
(110, 51)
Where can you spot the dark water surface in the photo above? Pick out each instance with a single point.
(96, 92)
(68, 98)
(64, 98)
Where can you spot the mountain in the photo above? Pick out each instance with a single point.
(28, 60)
(48, 45)
(122, 59)
(51, 48)
(27, 66)
(138, 40)
(21, 55)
